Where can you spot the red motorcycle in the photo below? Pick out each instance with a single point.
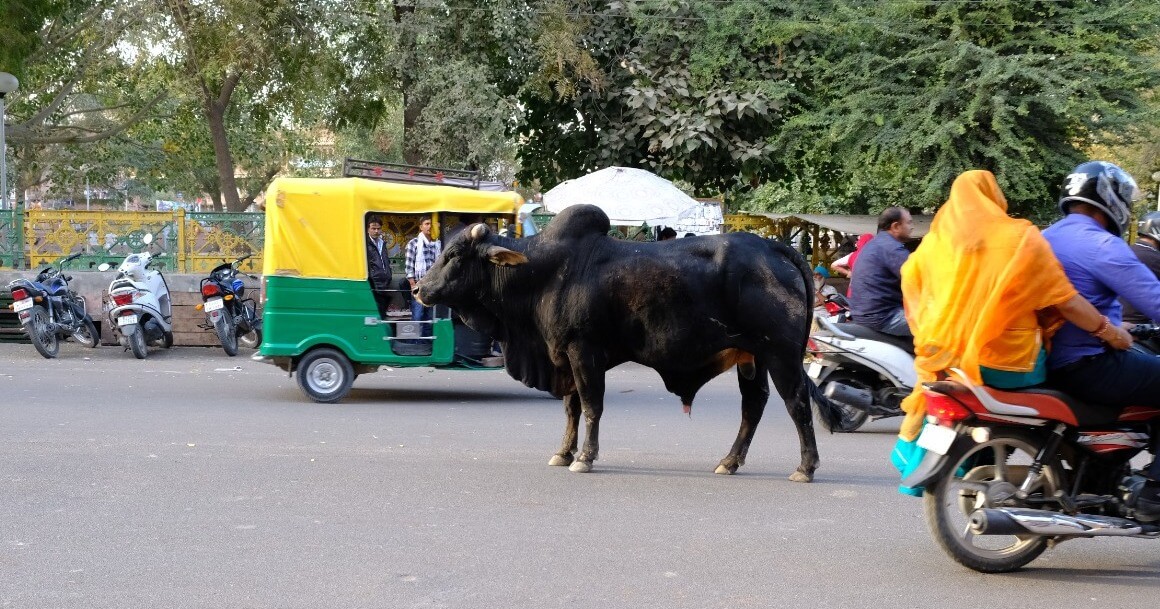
(1009, 473)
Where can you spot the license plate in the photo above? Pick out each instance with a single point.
(22, 305)
(936, 438)
(126, 320)
(213, 304)
(814, 370)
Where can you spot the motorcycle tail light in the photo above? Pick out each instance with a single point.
(210, 289)
(19, 294)
(122, 299)
(811, 346)
(945, 408)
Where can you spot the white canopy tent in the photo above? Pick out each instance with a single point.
(630, 197)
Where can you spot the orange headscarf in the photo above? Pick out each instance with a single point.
(972, 290)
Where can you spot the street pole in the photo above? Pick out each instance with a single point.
(8, 84)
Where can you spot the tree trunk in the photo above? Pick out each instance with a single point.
(215, 113)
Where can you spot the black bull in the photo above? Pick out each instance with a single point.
(572, 302)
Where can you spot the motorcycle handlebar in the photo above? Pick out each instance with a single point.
(1145, 331)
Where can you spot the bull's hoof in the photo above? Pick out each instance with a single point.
(798, 476)
(725, 470)
(560, 460)
(582, 467)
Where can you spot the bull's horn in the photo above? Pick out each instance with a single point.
(505, 257)
(479, 231)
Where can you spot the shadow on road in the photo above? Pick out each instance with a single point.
(1144, 575)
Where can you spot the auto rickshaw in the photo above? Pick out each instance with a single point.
(321, 320)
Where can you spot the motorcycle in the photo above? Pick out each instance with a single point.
(1009, 473)
(139, 307)
(234, 318)
(864, 372)
(50, 311)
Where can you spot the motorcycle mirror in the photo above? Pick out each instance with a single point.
(147, 239)
(104, 266)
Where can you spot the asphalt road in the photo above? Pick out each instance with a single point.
(192, 479)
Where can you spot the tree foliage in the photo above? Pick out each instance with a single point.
(911, 93)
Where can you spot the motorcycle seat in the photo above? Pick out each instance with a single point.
(1056, 405)
(906, 344)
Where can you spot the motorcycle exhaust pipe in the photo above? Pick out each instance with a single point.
(842, 393)
(1024, 521)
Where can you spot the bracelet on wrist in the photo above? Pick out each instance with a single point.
(1104, 325)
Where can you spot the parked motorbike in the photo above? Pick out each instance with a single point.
(139, 307)
(865, 372)
(50, 311)
(234, 318)
(1009, 473)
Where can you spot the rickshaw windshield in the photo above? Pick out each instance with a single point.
(315, 226)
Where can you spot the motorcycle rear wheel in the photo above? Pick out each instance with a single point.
(47, 343)
(1000, 465)
(852, 418)
(137, 343)
(227, 333)
(86, 333)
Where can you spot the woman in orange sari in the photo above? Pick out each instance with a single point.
(983, 293)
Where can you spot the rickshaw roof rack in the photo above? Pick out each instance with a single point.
(417, 174)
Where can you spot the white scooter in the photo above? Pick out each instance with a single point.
(139, 307)
(865, 372)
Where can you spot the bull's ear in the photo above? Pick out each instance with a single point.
(505, 257)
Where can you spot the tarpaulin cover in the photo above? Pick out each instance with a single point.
(630, 197)
(314, 226)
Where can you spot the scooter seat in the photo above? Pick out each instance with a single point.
(905, 344)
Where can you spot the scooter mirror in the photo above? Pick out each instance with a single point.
(147, 239)
(104, 267)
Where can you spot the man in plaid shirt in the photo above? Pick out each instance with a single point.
(421, 254)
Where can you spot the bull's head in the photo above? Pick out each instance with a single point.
(465, 268)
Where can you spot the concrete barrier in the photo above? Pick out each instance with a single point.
(183, 291)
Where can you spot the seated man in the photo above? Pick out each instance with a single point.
(1096, 201)
(378, 265)
(876, 289)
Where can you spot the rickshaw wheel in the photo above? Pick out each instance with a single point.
(325, 375)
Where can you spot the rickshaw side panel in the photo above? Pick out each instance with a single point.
(303, 313)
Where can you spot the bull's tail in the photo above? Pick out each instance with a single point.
(831, 415)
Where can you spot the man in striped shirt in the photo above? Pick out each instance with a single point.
(421, 254)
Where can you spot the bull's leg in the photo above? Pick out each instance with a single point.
(754, 395)
(789, 378)
(571, 427)
(588, 367)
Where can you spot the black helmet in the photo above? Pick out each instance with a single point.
(1150, 225)
(1104, 185)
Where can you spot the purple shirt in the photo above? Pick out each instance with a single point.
(1101, 266)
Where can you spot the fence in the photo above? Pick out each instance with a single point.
(191, 242)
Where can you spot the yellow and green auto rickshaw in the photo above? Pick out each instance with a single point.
(321, 320)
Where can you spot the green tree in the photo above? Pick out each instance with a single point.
(911, 93)
(691, 89)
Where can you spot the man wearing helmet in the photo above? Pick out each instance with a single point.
(1147, 249)
(1096, 200)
